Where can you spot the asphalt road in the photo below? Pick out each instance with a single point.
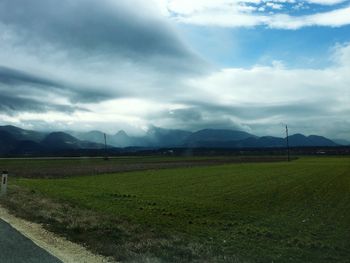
(16, 248)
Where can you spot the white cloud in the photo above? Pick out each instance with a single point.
(263, 97)
(274, 5)
(342, 55)
(248, 13)
(336, 18)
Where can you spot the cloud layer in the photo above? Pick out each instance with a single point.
(89, 51)
(104, 64)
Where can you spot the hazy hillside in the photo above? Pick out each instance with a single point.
(14, 140)
(341, 142)
(21, 134)
(61, 140)
(7, 142)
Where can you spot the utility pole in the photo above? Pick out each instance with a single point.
(106, 156)
(3, 183)
(287, 137)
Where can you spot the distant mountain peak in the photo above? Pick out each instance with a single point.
(219, 135)
(121, 133)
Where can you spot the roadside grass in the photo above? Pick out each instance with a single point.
(101, 233)
(256, 212)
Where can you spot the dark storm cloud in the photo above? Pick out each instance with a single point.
(89, 51)
(196, 118)
(16, 77)
(16, 82)
(96, 27)
(12, 105)
(186, 115)
(253, 112)
(201, 115)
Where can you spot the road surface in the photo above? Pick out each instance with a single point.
(16, 248)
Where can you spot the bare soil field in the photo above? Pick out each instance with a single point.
(67, 167)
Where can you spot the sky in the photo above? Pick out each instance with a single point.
(251, 65)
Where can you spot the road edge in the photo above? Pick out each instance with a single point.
(59, 247)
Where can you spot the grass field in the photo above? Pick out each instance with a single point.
(248, 212)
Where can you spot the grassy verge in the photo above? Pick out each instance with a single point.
(281, 212)
(104, 234)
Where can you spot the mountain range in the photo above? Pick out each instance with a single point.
(209, 138)
(14, 140)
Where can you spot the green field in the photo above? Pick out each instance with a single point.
(253, 212)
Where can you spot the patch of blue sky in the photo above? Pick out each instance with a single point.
(308, 47)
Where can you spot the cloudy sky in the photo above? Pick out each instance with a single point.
(252, 65)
